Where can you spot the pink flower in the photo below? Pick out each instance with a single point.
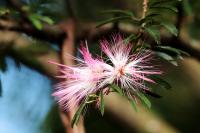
(122, 67)
(128, 70)
(80, 80)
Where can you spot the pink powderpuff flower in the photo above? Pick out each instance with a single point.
(129, 71)
(121, 67)
(79, 81)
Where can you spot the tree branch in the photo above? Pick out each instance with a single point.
(145, 6)
(16, 43)
(49, 33)
(68, 47)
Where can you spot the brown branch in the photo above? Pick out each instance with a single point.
(49, 33)
(14, 43)
(68, 47)
(140, 32)
(145, 7)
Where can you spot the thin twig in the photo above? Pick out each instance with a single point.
(140, 31)
(145, 7)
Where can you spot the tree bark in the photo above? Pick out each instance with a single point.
(68, 48)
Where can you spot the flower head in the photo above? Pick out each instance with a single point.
(79, 81)
(128, 70)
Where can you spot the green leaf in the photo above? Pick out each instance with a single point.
(111, 20)
(165, 7)
(175, 50)
(150, 16)
(183, 52)
(123, 12)
(180, 57)
(167, 57)
(170, 27)
(130, 38)
(133, 104)
(168, 48)
(26, 8)
(161, 82)
(47, 20)
(36, 21)
(116, 88)
(78, 113)
(152, 22)
(102, 106)
(160, 2)
(145, 101)
(149, 19)
(154, 33)
(4, 11)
